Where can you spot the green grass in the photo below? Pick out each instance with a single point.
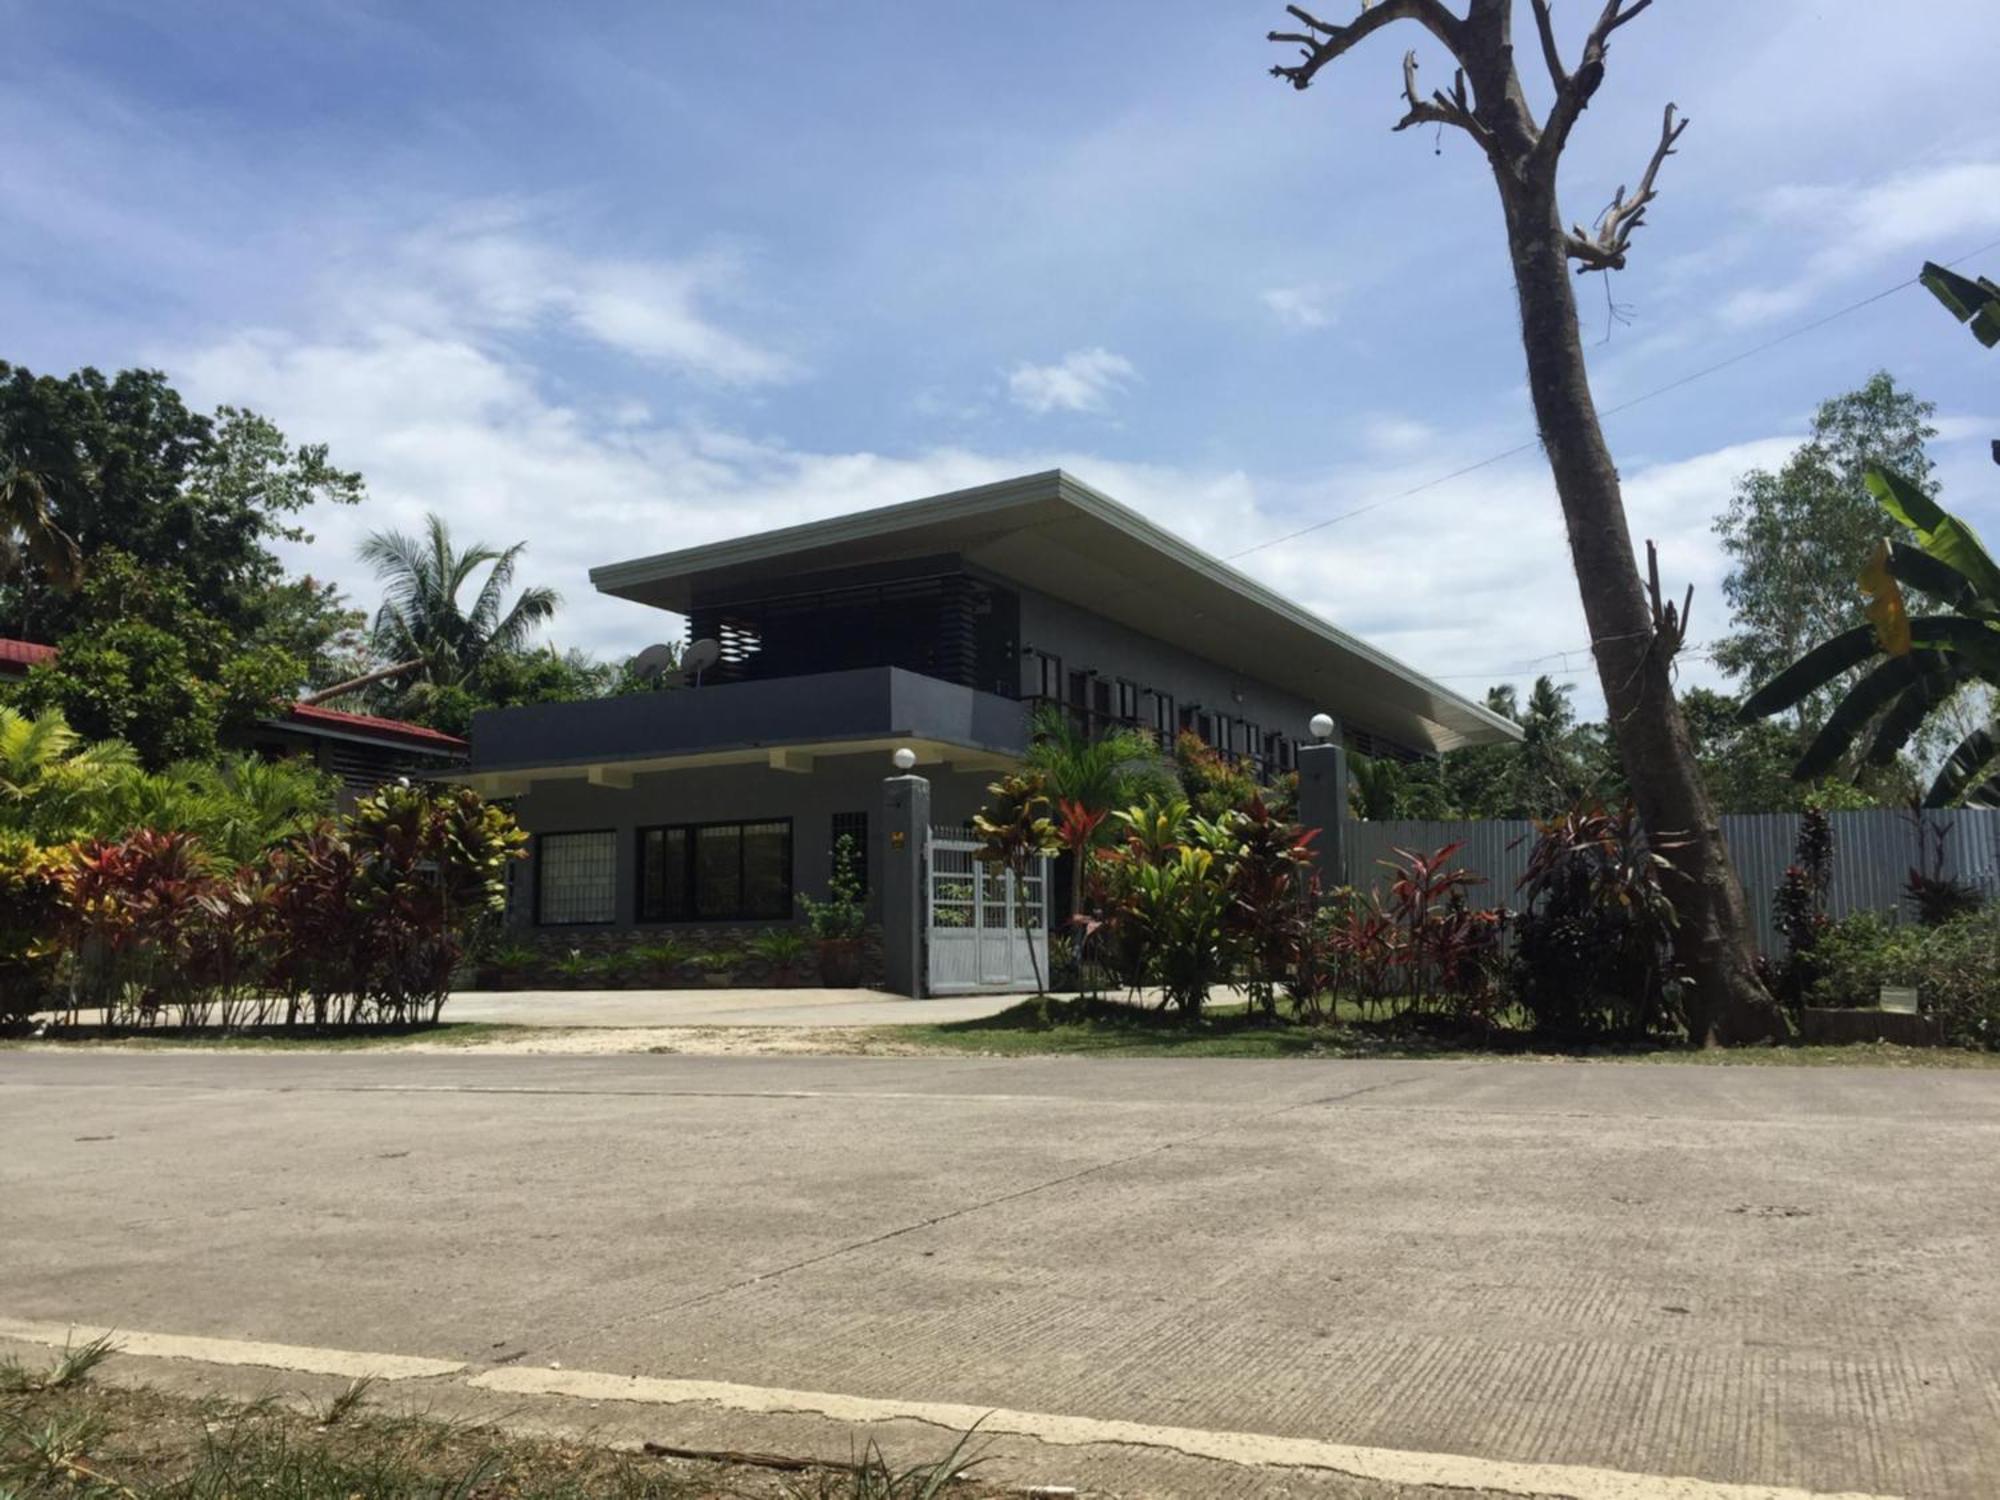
(79, 1440)
(447, 1033)
(1081, 1028)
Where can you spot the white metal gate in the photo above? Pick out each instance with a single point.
(974, 920)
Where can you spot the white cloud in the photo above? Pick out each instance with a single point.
(1400, 436)
(1299, 307)
(1928, 211)
(1082, 380)
(495, 271)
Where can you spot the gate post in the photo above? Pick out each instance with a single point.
(906, 828)
(1323, 805)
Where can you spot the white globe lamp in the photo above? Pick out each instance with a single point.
(1321, 726)
(904, 758)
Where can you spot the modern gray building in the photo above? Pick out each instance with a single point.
(938, 625)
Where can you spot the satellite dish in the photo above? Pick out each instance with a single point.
(699, 657)
(654, 662)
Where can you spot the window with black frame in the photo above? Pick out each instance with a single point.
(1043, 677)
(576, 878)
(716, 872)
(1128, 701)
(852, 825)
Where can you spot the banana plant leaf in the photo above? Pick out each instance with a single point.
(1942, 534)
(1928, 575)
(1977, 640)
(1850, 716)
(1938, 678)
(1811, 672)
(1974, 302)
(1965, 765)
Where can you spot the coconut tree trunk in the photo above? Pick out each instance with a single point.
(1729, 1003)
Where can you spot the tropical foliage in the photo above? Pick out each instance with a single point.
(54, 787)
(1794, 536)
(1915, 661)
(1800, 907)
(31, 539)
(1899, 669)
(156, 669)
(424, 618)
(357, 921)
(122, 464)
(1594, 937)
(1953, 966)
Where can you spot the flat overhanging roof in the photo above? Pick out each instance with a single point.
(1053, 533)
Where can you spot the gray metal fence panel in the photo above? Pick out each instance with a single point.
(1873, 852)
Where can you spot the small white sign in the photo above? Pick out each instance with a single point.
(1899, 999)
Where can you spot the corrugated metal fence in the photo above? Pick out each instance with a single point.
(1873, 853)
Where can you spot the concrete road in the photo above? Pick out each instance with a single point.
(717, 1007)
(1765, 1275)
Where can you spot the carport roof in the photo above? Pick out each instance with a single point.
(1054, 533)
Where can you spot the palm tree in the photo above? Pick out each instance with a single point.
(422, 619)
(1098, 773)
(52, 785)
(28, 529)
(1376, 788)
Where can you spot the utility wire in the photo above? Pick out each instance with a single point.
(1609, 411)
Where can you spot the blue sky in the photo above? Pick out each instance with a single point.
(616, 278)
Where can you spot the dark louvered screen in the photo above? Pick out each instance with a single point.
(950, 626)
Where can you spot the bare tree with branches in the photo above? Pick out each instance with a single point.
(1634, 636)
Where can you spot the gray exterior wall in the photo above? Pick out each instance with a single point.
(720, 794)
(860, 703)
(1088, 641)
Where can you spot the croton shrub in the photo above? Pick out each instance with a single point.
(356, 921)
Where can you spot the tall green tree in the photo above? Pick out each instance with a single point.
(1797, 537)
(155, 669)
(125, 464)
(425, 618)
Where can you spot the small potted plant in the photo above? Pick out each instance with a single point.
(838, 922)
(783, 949)
(507, 967)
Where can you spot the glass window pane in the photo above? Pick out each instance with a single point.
(718, 870)
(767, 870)
(663, 875)
(576, 878)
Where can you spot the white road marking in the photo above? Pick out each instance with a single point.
(1249, 1449)
(301, 1357)
(1258, 1450)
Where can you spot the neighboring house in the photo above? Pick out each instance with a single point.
(938, 625)
(361, 750)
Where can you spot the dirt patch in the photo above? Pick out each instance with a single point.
(692, 1041)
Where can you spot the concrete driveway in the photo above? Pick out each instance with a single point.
(1168, 1276)
(718, 1007)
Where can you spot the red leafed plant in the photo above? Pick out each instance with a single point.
(131, 908)
(1424, 891)
(1271, 883)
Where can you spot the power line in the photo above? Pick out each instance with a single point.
(1609, 411)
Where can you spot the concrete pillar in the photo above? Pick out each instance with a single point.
(906, 822)
(1323, 805)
